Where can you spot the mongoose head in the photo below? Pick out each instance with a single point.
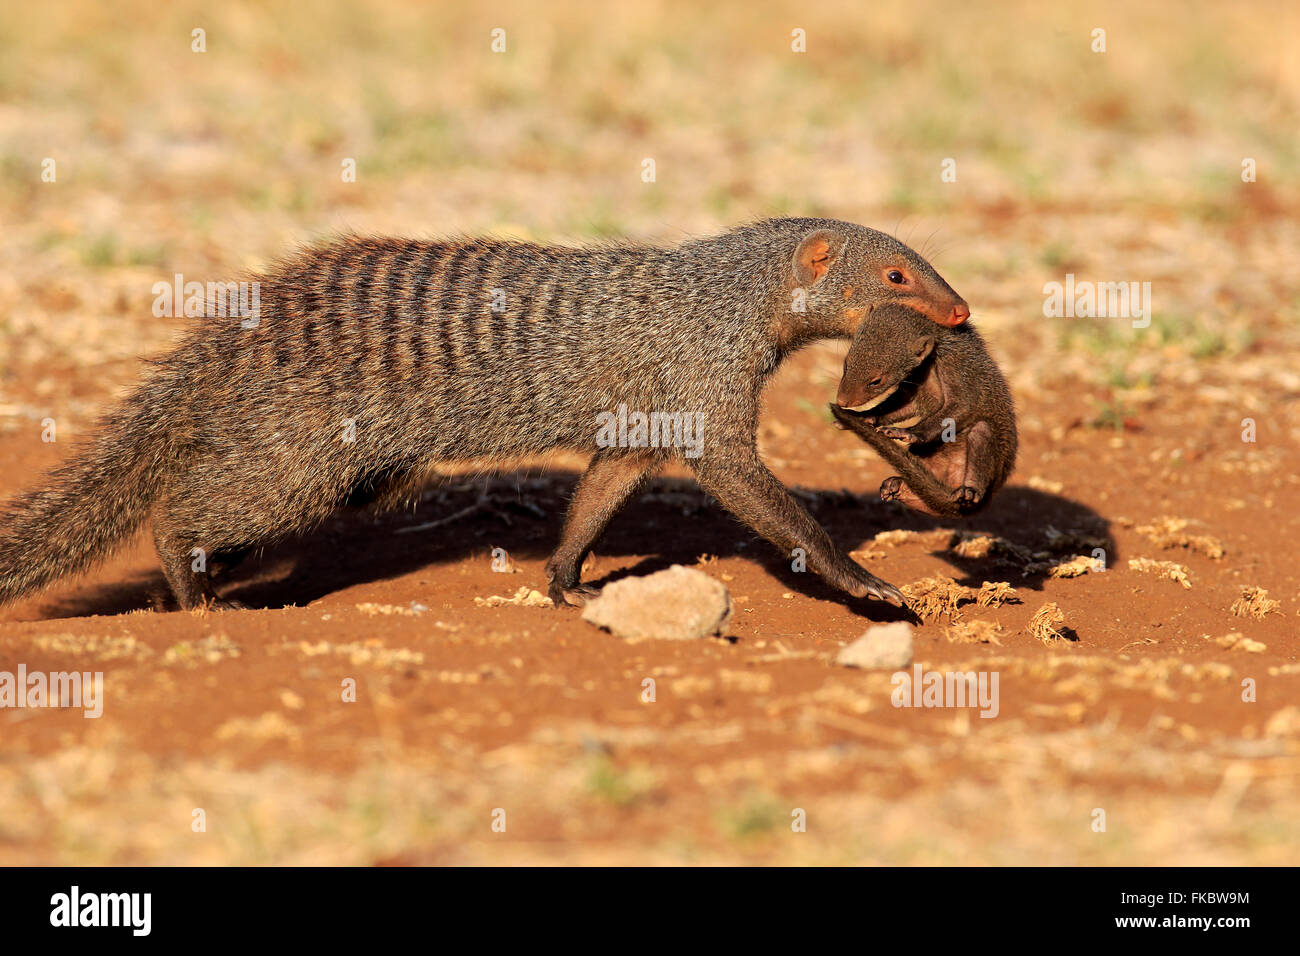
(887, 348)
(850, 270)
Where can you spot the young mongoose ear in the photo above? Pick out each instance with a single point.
(817, 252)
(922, 346)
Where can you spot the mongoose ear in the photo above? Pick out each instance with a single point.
(817, 252)
(922, 346)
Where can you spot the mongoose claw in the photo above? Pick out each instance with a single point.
(897, 434)
(576, 596)
(226, 604)
(891, 488)
(967, 498)
(883, 591)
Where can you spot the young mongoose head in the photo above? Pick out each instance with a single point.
(887, 348)
(850, 270)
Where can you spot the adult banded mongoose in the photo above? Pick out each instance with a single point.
(934, 405)
(373, 361)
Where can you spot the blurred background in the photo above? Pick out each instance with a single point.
(1124, 164)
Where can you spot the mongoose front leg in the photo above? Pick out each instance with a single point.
(737, 477)
(612, 478)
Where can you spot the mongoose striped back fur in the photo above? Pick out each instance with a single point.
(373, 361)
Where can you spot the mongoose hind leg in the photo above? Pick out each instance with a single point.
(223, 562)
(227, 504)
(203, 524)
(742, 484)
(612, 478)
(979, 467)
(192, 588)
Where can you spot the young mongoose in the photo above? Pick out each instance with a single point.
(373, 361)
(933, 404)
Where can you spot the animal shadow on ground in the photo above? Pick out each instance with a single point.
(671, 522)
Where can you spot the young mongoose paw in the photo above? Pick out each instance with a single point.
(891, 488)
(843, 416)
(898, 434)
(967, 498)
(576, 596)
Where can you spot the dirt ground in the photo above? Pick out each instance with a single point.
(1159, 705)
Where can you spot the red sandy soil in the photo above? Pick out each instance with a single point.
(463, 709)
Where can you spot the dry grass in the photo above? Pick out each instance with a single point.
(936, 597)
(1047, 624)
(1164, 569)
(996, 594)
(974, 632)
(1255, 602)
(1168, 533)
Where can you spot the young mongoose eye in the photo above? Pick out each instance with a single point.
(896, 277)
(875, 381)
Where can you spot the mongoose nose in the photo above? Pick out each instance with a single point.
(848, 396)
(960, 313)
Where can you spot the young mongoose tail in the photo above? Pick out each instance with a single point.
(934, 405)
(373, 361)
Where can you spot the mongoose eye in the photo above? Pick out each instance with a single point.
(896, 277)
(875, 381)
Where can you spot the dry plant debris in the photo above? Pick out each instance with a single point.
(1167, 532)
(1255, 602)
(524, 597)
(1046, 624)
(1164, 569)
(1236, 641)
(974, 632)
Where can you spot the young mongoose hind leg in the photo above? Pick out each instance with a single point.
(612, 478)
(743, 485)
(980, 465)
(893, 489)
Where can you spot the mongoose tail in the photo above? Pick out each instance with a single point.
(90, 504)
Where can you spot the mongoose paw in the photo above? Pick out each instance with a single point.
(967, 498)
(871, 586)
(576, 596)
(898, 434)
(891, 488)
(226, 604)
